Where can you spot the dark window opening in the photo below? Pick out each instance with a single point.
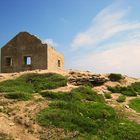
(27, 60)
(59, 63)
(8, 61)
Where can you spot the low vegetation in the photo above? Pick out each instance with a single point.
(85, 112)
(115, 77)
(136, 87)
(79, 94)
(46, 81)
(30, 83)
(81, 112)
(135, 104)
(18, 96)
(132, 90)
(22, 87)
(107, 95)
(16, 85)
(121, 99)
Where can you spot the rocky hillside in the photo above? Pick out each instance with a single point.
(44, 105)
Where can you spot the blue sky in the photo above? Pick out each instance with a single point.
(97, 35)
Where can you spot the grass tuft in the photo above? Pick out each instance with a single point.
(79, 94)
(132, 90)
(19, 96)
(46, 81)
(135, 104)
(17, 85)
(121, 99)
(107, 95)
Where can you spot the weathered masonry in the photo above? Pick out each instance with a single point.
(27, 52)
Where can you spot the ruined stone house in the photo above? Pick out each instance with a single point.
(27, 52)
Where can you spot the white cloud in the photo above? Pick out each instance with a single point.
(108, 23)
(50, 41)
(124, 59)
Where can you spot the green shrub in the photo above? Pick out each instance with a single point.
(17, 85)
(80, 110)
(19, 96)
(30, 83)
(83, 93)
(115, 77)
(127, 130)
(121, 99)
(84, 111)
(136, 87)
(107, 95)
(135, 104)
(132, 90)
(46, 81)
(128, 91)
(114, 89)
(55, 95)
(75, 115)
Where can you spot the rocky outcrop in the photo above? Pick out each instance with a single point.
(78, 78)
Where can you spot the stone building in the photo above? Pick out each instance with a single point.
(27, 52)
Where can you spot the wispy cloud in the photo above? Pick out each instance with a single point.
(123, 59)
(109, 22)
(121, 55)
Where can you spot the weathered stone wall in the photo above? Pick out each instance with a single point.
(24, 44)
(53, 58)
